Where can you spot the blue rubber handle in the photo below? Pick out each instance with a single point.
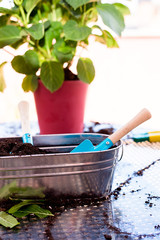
(104, 145)
(27, 138)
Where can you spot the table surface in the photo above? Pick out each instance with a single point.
(131, 212)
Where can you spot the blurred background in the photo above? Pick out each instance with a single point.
(127, 79)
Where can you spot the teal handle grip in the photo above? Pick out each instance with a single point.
(104, 145)
(27, 138)
(141, 137)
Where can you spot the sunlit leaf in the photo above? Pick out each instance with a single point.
(85, 70)
(7, 220)
(2, 82)
(111, 17)
(122, 8)
(74, 32)
(30, 83)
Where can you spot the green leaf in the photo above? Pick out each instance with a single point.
(6, 191)
(26, 64)
(8, 11)
(29, 5)
(52, 75)
(122, 8)
(53, 32)
(8, 35)
(105, 38)
(74, 32)
(33, 209)
(2, 81)
(111, 17)
(77, 3)
(3, 20)
(64, 54)
(30, 83)
(109, 39)
(7, 220)
(17, 44)
(85, 70)
(36, 31)
(16, 207)
(27, 192)
(63, 51)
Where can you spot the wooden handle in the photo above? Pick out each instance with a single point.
(23, 107)
(141, 117)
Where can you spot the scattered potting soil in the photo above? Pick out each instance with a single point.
(107, 237)
(10, 147)
(140, 172)
(97, 127)
(68, 201)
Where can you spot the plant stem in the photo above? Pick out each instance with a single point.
(40, 15)
(23, 15)
(86, 13)
(44, 53)
(8, 52)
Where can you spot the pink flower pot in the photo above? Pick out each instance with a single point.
(63, 110)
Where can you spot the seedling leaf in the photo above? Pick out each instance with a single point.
(6, 190)
(16, 207)
(33, 209)
(7, 220)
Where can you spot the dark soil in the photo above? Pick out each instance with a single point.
(67, 201)
(10, 147)
(106, 129)
(69, 75)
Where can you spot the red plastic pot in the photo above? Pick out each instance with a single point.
(63, 110)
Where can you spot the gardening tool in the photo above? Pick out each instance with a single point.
(87, 146)
(23, 107)
(147, 136)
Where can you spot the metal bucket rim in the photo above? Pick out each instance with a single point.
(114, 148)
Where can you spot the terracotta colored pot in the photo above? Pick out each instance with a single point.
(63, 110)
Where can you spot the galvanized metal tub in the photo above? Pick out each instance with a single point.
(62, 172)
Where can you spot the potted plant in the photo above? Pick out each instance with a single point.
(53, 29)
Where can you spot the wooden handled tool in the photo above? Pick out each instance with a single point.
(87, 146)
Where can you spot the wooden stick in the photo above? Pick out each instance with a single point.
(141, 117)
(23, 107)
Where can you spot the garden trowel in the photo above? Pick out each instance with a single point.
(87, 146)
(23, 107)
